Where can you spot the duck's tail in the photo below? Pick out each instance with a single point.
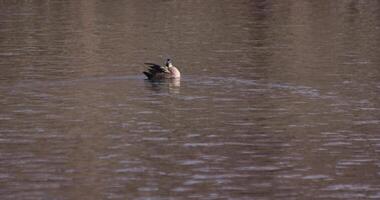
(148, 75)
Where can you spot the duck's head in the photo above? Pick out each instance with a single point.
(168, 63)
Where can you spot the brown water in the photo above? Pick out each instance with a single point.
(278, 100)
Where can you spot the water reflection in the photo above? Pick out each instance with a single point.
(165, 85)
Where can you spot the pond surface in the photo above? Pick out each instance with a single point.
(278, 100)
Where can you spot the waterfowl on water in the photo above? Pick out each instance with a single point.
(157, 72)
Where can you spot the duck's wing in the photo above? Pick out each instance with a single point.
(156, 68)
(148, 75)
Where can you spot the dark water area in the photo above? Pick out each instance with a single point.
(277, 100)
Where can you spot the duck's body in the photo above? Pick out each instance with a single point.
(158, 72)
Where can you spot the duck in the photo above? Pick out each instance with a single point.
(158, 72)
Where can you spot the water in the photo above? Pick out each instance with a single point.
(278, 100)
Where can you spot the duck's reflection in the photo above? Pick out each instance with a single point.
(169, 85)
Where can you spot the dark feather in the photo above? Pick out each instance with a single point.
(152, 71)
(155, 67)
(148, 75)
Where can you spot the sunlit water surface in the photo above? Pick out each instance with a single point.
(278, 100)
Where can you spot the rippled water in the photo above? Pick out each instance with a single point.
(278, 100)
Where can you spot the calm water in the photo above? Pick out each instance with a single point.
(278, 100)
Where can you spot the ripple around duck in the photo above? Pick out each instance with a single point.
(317, 177)
(349, 187)
(259, 168)
(191, 162)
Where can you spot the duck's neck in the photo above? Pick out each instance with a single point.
(175, 72)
